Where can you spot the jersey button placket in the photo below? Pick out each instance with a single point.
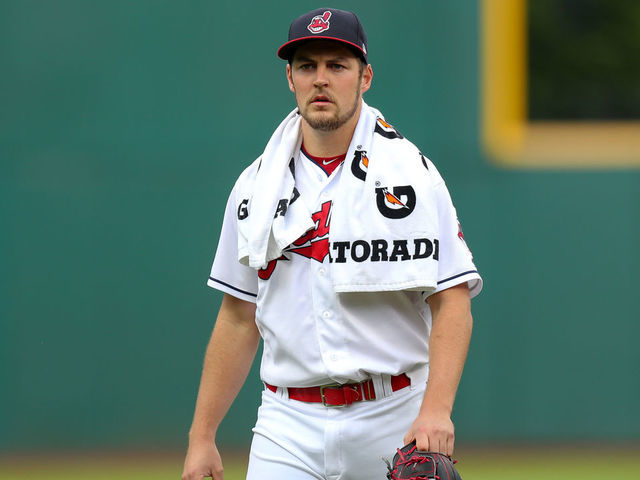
(322, 294)
(330, 327)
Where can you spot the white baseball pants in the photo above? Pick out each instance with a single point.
(295, 440)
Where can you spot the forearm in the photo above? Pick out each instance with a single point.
(448, 347)
(228, 359)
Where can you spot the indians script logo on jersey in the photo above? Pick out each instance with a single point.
(313, 244)
(320, 23)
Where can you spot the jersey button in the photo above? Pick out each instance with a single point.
(321, 272)
(326, 314)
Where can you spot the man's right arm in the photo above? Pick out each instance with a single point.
(229, 356)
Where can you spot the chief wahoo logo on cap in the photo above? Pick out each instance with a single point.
(320, 23)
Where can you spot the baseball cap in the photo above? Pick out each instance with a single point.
(326, 24)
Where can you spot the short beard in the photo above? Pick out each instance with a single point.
(331, 124)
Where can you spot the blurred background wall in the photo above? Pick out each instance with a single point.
(123, 125)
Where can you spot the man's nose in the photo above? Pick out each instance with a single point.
(321, 77)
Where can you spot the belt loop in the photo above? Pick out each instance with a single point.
(280, 392)
(386, 385)
(377, 386)
(418, 376)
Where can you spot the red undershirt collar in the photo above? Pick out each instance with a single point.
(328, 164)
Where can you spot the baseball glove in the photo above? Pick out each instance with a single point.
(412, 464)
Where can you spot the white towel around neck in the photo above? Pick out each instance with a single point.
(384, 223)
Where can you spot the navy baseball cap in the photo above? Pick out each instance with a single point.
(326, 24)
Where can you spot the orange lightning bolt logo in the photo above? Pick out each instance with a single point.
(392, 199)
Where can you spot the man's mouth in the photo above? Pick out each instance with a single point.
(321, 100)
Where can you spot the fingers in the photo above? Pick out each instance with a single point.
(199, 475)
(203, 461)
(423, 443)
(441, 443)
(450, 444)
(435, 443)
(408, 438)
(432, 438)
(198, 472)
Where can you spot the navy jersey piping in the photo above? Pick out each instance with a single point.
(456, 276)
(233, 288)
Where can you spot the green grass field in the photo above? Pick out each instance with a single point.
(473, 464)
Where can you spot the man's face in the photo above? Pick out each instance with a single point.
(328, 82)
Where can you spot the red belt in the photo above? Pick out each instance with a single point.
(337, 395)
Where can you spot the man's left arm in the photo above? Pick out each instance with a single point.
(448, 345)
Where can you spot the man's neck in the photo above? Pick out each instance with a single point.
(329, 144)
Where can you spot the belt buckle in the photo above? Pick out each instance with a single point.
(356, 386)
(324, 401)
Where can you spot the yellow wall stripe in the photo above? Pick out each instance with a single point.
(510, 139)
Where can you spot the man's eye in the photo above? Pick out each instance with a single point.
(305, 66)
(337, 66)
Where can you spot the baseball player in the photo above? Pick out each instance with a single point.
(341, 250)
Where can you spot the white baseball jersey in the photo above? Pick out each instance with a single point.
(313, 335)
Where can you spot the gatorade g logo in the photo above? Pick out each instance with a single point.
(320, 23)
(243, 212)
(360, 164)
(386, 130)
(397, 203)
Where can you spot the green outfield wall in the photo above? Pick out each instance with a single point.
(123, 125)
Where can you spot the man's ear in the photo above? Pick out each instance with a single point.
(367, 78)
(290, 78)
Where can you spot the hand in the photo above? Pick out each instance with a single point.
(203, 461)
(432, 433)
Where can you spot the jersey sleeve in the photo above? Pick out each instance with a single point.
(227, 273)
(455, 262)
